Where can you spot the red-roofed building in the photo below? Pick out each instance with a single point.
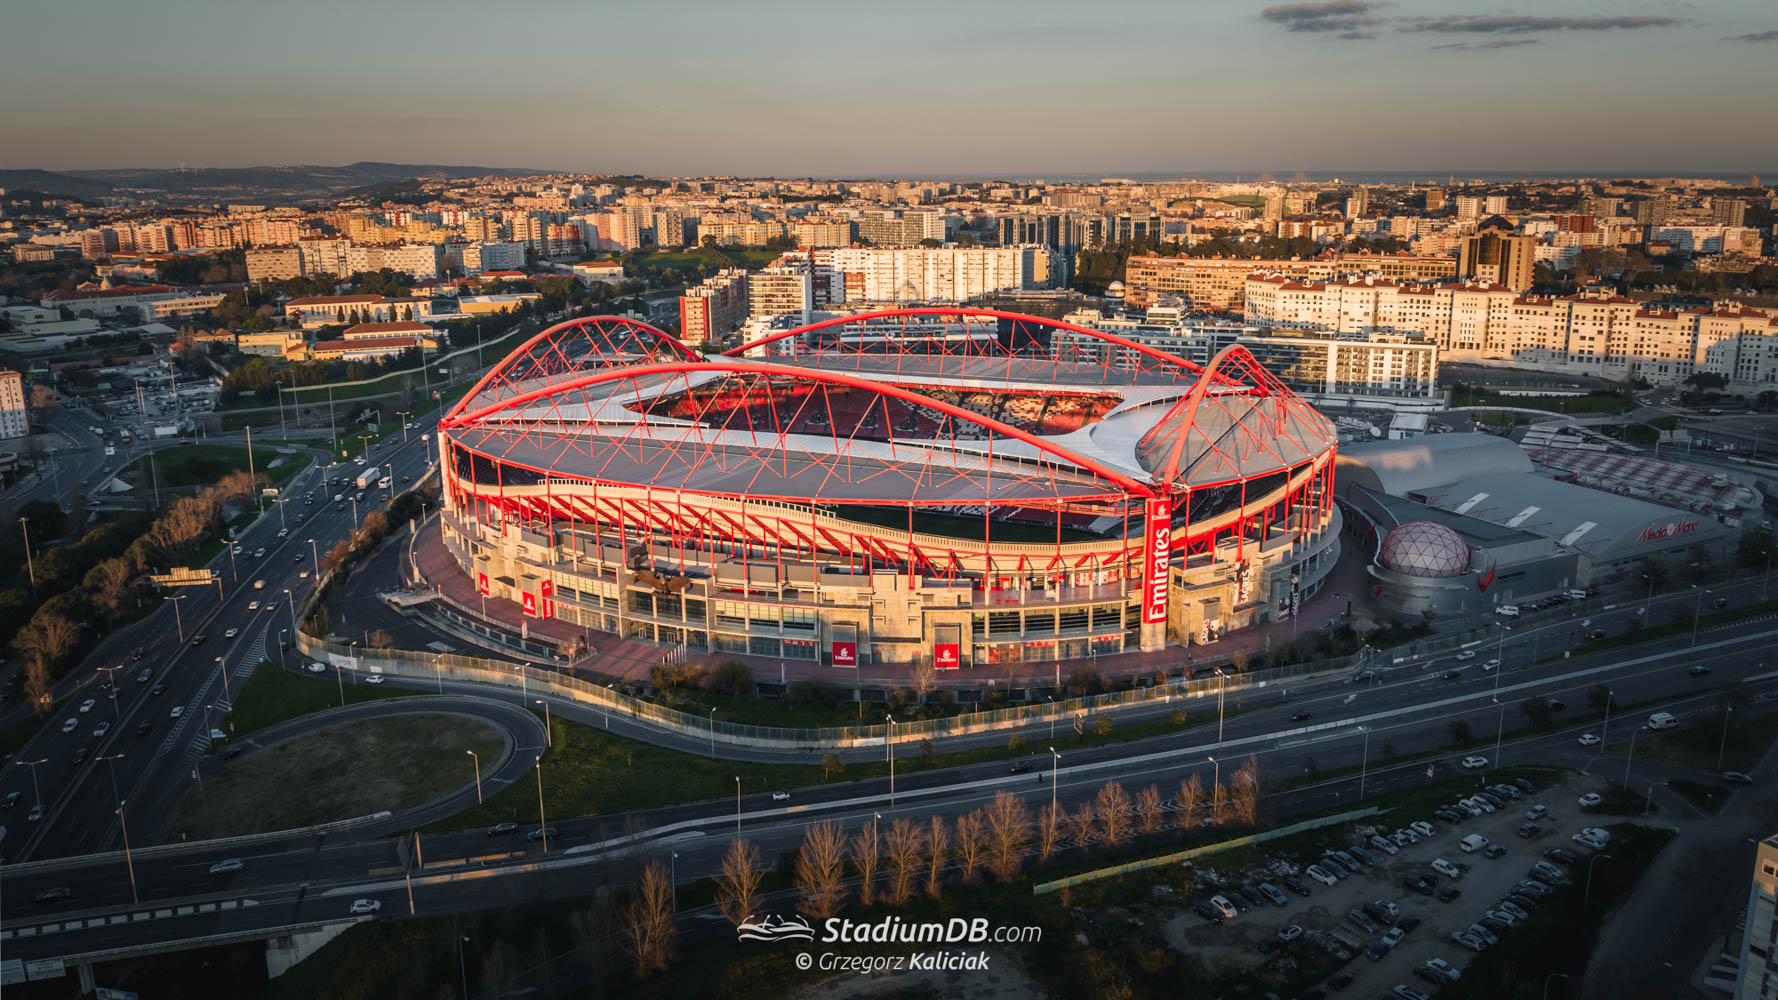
(368, 349)
(109, 301)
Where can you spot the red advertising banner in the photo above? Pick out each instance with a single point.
(549, 608)
(1157, 556)
(546, 588)
(845, 654)
(530, 603)
(947, 655)
(481, 584)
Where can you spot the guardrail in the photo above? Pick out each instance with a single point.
(201, 845)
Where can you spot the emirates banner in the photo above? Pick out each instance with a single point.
(845, 654)
(947, 655)
(1157, 557)
(530, 603)
(481, 584)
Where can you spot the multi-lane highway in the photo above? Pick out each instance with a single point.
(159, 724)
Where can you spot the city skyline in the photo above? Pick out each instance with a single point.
(1318, 86)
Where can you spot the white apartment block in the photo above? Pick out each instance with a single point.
(940, 274)
(744, 233)
(669, 228)
(274, 263)
(779, 291)
(15, 419)
(497, 256)
(324, 257)
(417, 259)
(1608, 336)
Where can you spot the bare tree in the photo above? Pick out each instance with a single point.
(1084, 823)
(111, 583)
(496, 970)
(737, 888)
(591, 926)
(923, 678)
(820, 865)
(1113, 806)
(905, 842)
(47, 638)
(865, 854)
(1244, 793)
(1149, 809)
(1009, 822)
(37, 685)
(940, 838)
(1220, 807)
(1191, 798)
(1049, 830)
(971, 839)
(379, 640)
(649, 917)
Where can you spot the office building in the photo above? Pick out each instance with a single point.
(1495, 256)
(1469, 208)
(15, 418)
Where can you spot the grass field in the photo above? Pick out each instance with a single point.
(1592, 403)
(684, 260)
(273, 695)
(203, 464)
(348, 770)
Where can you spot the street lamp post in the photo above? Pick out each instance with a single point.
(128, 859)
(1697, 614)
(737, 805)
(25, 529)
(1605, 728)
(1499, 730)
(36, 793)
(1221, 688)
(439, 671)
(1364, 762)
(712, 732)
(178, 619)
(1215, 785)
(1055, 765)
(1723, 743)
(549, 735)
(478, 775)
(542, 824)
(1628, 758)
(111, 681)
(889, 754)
(1587, 896)
(1052, 701)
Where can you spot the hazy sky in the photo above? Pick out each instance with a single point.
(909, 87)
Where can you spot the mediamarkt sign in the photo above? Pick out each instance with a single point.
(1157, 556)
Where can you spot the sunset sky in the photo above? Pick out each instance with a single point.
(916, 87)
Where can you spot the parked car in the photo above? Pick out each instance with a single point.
(1537, 812)
(1590, 799)
(1224, 907)
(1528, 830)
(1737, 778)
(1562, 856)
(1421, 827)
(1295, 885)
(1493, 851)
(1468, 940)
(1274, 894)
(1364, 922)
(1208, 912)
(1322, 875)
(1446, 868)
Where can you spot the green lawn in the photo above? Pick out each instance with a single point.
(691, 259)
(273, 695)
(1592, 403)
(204, 464)
(348, 770)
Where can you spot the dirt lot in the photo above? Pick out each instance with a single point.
(1322, 915)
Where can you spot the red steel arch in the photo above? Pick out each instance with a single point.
(1166, 441)
(501, 368)
(456, 419)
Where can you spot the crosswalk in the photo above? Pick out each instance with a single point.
(238, 674)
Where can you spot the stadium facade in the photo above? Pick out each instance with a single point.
(951, 487)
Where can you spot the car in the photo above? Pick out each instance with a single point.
(101, 729)
(1422, 828)
(501, 829)
(374, 679)
(1737, 778)
(1451, 675)
(1547, 872)
(1593, 837)
(1537, 812)
(1295, 885)
(1364, 922)
(1503, 916)
(1365, 857)
(1520, 899)
(1589, 800)
(1483, 931)
(1507, 611)
(1345, 858)
(1493, 851)
(1386, 846)
(12, 799)
(1362, 676)
(1588, 740)
(1481, 803)
(158, 689)
(1514, 910)
(1562, 856)
(1468, 654)
(177, 711)
(228, 866)
(233, 751)
(143, 675)
(1510, 791)
(1339, 980)
(1524, 785)
(366, 905)
(536, 835)
(1467, 940)
(1273, 893)
(1555, 704)
(1528, 830)
(1333, 865)
(144, 728)
(1020, 767)
(61, 894)
(1474, 761)
(1407, 993)
(259, 553)
(1698, 670)
(1394, 936)
(1224, 907)
(1378, 949)
(1444, 968)
(1417, 883)
(87, 705)
(1446, 868)
(1534, 888)
(1322, 875)
(36, 813)
(1300, 716)
(1407, 922)
(137, 653)
(1289, 933)
(252, 605)
(1489, 665)
(1492, 799)
(1495, 925)
(231, 633)
(316, 668)
(70, 724)
(304, 575)
(1242, 899)
(1208, 912)
(283, 532)
(1384, 911)
(271, 605)
(1431, 976)
(198, 640)
(1595, 633)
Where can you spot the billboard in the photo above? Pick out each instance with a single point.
(530, 603)
(947, 655)
(1157, 556)
(481, 584)
(845, 654)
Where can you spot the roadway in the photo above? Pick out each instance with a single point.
(160, 726)
(296, 879)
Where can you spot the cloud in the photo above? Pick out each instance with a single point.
(1498, 43)
(1515, 24)
(1757, 36)
(1346, 18)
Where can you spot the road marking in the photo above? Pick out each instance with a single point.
(158, 914)
(227, 904)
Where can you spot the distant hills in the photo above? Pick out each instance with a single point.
(242, 184)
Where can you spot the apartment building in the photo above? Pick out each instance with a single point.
(417, 259)
(15, 418)
(780, 291)
(668, 225)
(1496, 256)
(714, 309)
(739, 232)
(938, 274)
(324, 310)
(900, 227)
(822, 234)
(274, 263)
(1219, 283)
(1757, 974)
(501, 255)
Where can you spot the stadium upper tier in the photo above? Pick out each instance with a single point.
(960, 408)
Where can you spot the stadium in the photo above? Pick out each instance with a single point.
(950, 488)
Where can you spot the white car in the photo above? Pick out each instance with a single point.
(317, 668)
(1321, 875)
(231, 633)
(1224, 907)
(1593, 837)
(780, 796)
(1489, 665)
(1590, 799)
(1474, 761)
(253, 606)
(87, 705)
(1446, 868)
(1421, 827)
(224, 867)
(366, 905)
(1443, 968)
(1289, 932)
(283, 532)
(1468, 654)
(1588, 740)
(178, 710)
(374, 679)
(1468, 940)
(101, 729)
(71, 725)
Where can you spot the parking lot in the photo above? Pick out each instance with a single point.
(1481, 884)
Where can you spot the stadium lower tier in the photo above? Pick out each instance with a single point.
(785, 581)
